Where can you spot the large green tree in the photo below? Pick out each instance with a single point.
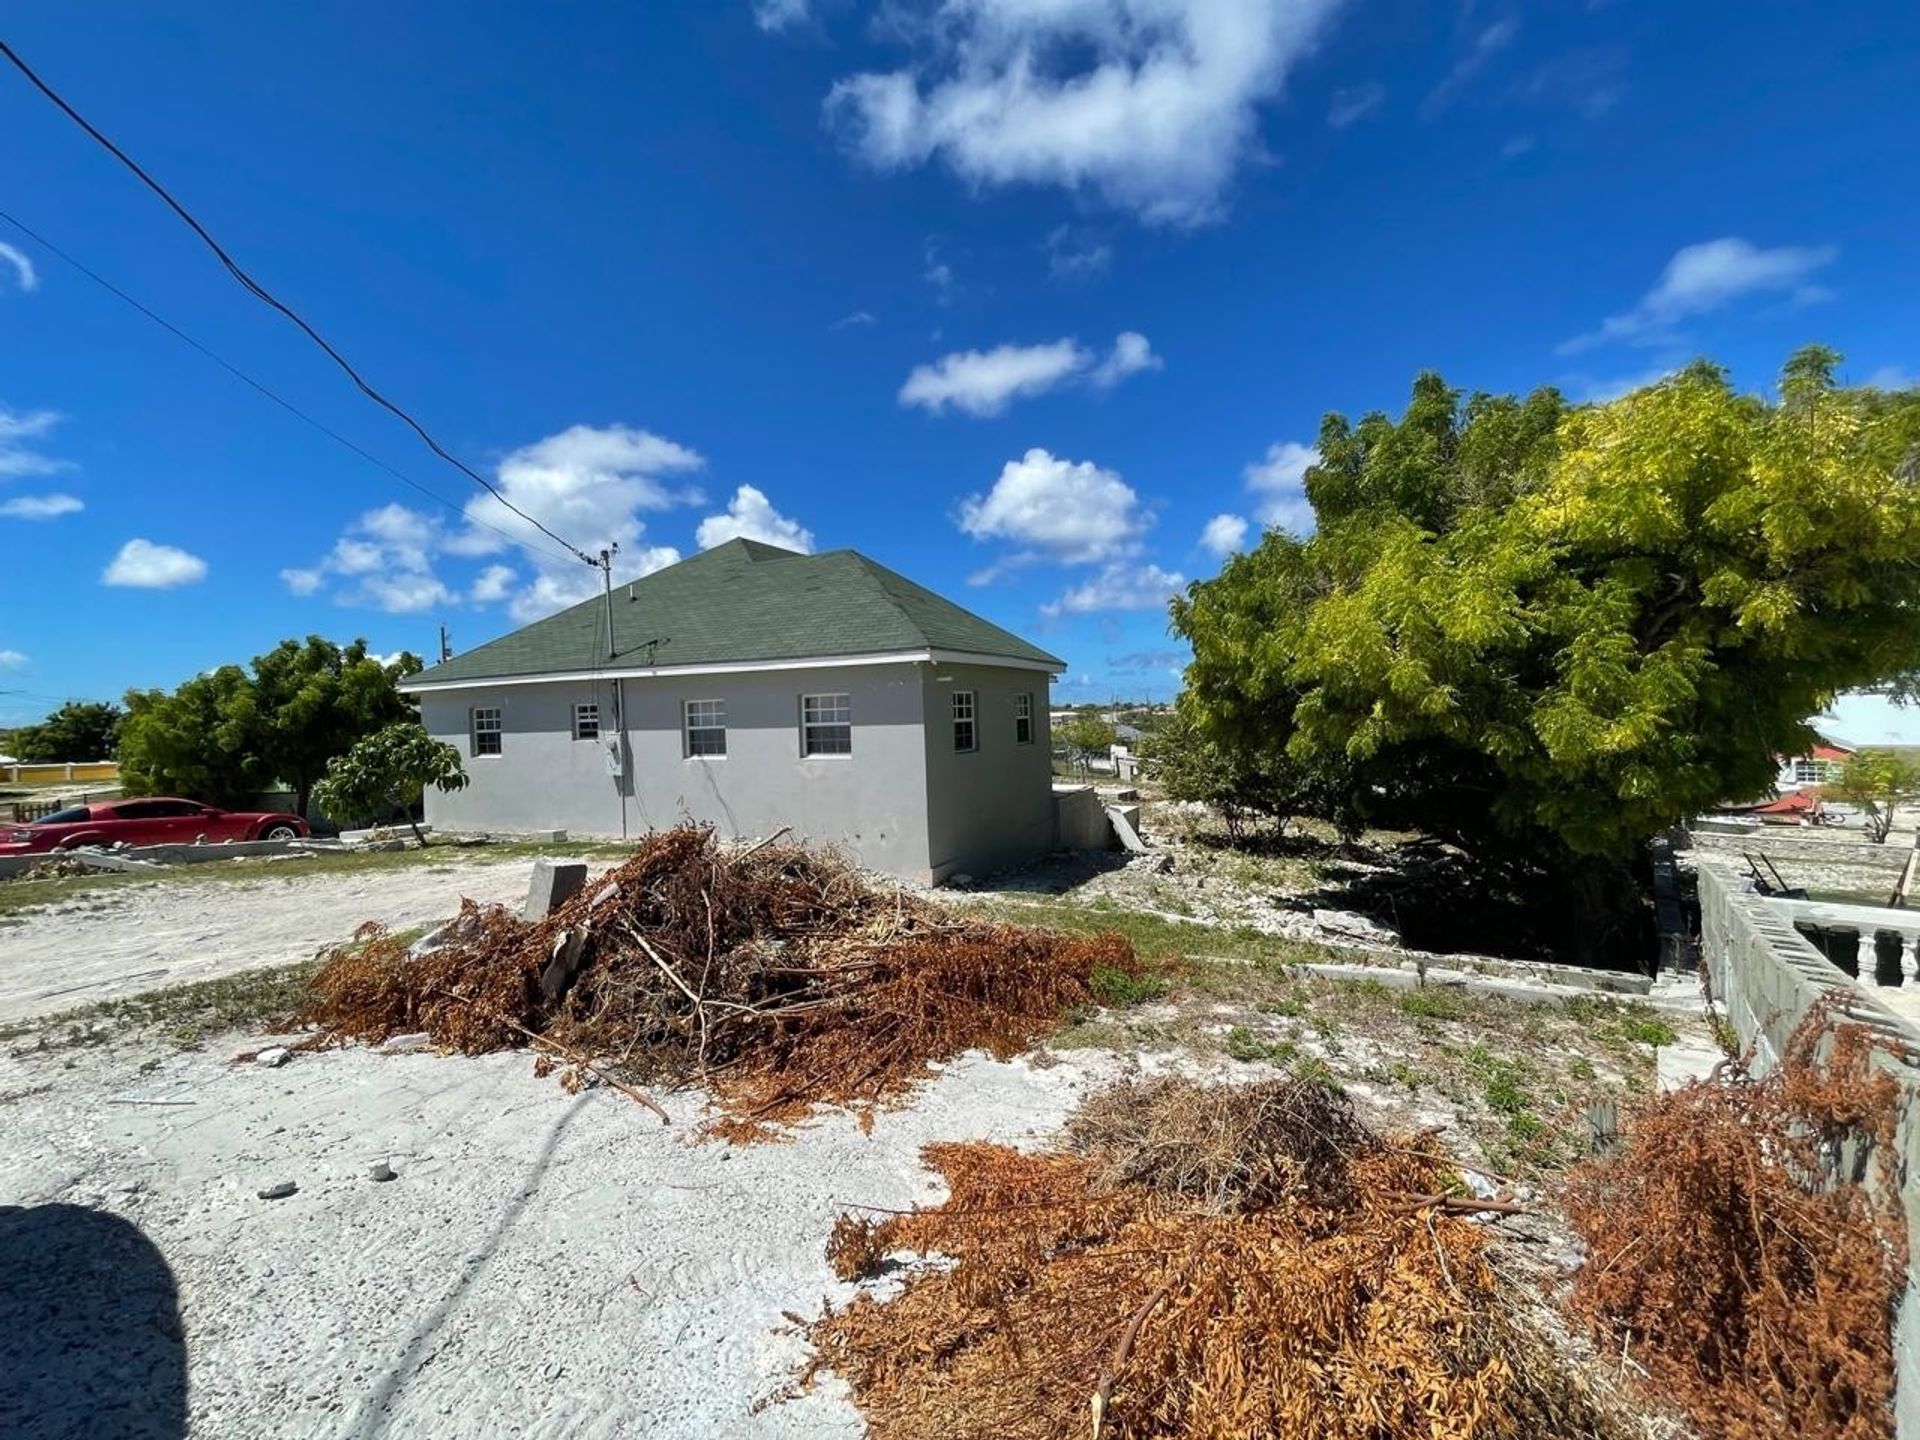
(1553, 630)
(78, 730)
(226, 735)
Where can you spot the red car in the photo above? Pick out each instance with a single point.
(146, 821)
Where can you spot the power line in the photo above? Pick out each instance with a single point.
(268, 298)
(246, 379)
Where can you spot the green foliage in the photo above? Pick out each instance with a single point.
(1117, 989)
(1878, 781)
(1245, 1046)
(387, 771)
(1428, 1004)
(1554, 631)
(1086, 736)
(1239, 782)
(226, 735)
(78, 730)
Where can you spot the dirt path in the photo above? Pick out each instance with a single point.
(543, 1264)
(112, 942)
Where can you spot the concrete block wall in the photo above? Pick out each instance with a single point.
(1769, 976)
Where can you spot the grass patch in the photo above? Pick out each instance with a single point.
(184, 1015)
(1430, 1004)
(1117, 990)
(1243, 1045)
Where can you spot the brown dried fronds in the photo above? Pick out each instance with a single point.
(777, 975)
(851, 1248)
(1279, 1320)
(1229, 1147)
(1755, 1281)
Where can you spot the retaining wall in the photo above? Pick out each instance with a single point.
(1769, 976)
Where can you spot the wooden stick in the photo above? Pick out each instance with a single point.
(762, 844)
(566, 1052)
(1465, 1205)
(1103, 1392)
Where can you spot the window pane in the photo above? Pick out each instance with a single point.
(826, 724)
(486, 730)
(586, 722)
(706, 727)
(963, 737)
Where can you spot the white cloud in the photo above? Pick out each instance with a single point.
(1131, 354)
(590, 484)
(1278, 479)
(1704, 277)
(11, 660)
(858, 320)
(1224, 534)
(778, 14)
(41, 507)
(1351, 106)
(985, 382)
(1487, 43)
(17, 455)
(1600, 389)
(1892, 377)
(23, 270)
(751, 516)
(385, 561)
(938, 274)
(493, 584)
(1074, 512)
(1515, 146)
(144, 565)
(302, 581)
(1072, 257)
(1122, 585)
(1152, 104)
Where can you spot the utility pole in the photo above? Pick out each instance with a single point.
(606, 574)
(446, 650)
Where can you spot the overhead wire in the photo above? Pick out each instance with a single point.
(267, 297)
(285, 404)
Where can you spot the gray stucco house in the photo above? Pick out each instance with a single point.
(752, 687)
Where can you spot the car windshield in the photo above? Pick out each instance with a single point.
(73, 815)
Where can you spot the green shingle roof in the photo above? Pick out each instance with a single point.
(740, 602)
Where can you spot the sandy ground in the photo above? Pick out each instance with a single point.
(110, 942)
(543, 1264)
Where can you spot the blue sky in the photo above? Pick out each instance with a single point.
(1038, 301)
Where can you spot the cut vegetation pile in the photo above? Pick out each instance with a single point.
(775, 974)
(1754, 1286)
(1207, 1262)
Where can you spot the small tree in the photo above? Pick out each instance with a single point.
(1087, 735)
(1877, 781)
(78, 730)
(387, 771)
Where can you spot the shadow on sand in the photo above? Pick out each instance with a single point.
(90, 1336)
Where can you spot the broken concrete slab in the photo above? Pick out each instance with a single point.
(568, 946)
(1346, 925)
(552, 884)
(1125, 820)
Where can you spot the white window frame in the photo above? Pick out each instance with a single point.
(1023, 718)
(585, 714)
(715, 720)
(836, 702)
(497, 728)
(966, 712)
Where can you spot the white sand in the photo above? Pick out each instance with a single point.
(545, 1265)
(122, 939)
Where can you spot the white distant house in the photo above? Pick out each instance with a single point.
(752, 688)
(1820, 765)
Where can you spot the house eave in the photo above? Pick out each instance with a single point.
(812, 662)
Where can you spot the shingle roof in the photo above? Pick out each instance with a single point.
(740, 602)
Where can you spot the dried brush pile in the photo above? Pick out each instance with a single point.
(1215, 1262)
(1755, 1286)
(774, 974)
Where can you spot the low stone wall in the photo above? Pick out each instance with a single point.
(1829, 865)
(1769, 976)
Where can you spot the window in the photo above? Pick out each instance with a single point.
(826, 725)
(1023, 718)
(1813, 772)
(963, 736)
(586, 722)
(484, 729)
(706, 724)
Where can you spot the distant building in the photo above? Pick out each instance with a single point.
(753, 688)
(1821, 765)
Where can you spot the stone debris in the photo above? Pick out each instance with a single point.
(1346, 925)
(273, 1057)
(408, 1044)
(279, 1190)
(552, 884)
(381, 1170)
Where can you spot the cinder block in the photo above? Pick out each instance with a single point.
(553, 883)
